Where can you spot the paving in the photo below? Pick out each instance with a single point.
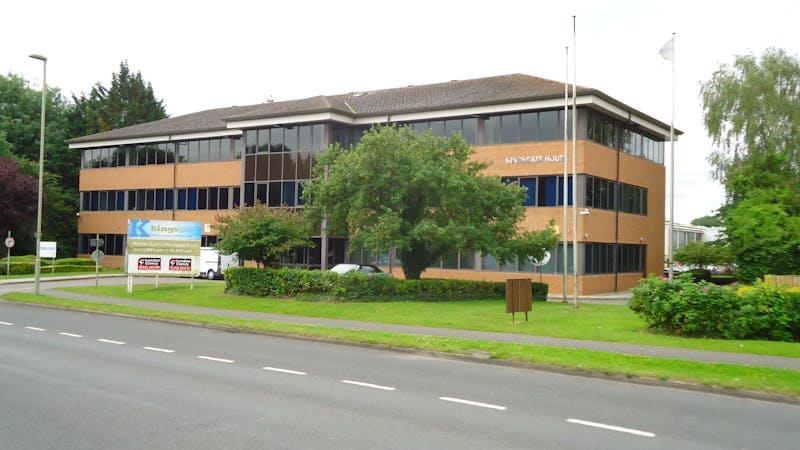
(71, 381)
(631, 349)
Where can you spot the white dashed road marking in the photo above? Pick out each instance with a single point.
(472, 403)
(109, 341)
(71, 335)
(612, 427)
(276, 369)
(162, 350)
(210, 358)
(6, 323)
(35, 328)
(369, 385)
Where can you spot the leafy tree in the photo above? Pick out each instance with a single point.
(707, 221)
(17, 197)
(128, 101)
(763, 236)
(262, 234)
(702, 254)
(422, 195)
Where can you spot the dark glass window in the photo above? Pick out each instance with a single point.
(437, 128)
(141, 155)
(290, 139)
(548, 126)
(261, 193)
(289, 166)
(250, 167)
(276, 140)
(288, 193)
(303, 166)
(223, 198)
(529, 127)
(492, 130)
(470, 130)
(132, 197)
(275, 166)
(305, 138)
(249, 194)
(183, 151)
(236, 197)
(510, 128)
(86, 205)
(120, 200)
(252, 141)
(318, 136)
(191, 199)
(159, 199)
(274, 197)
(214, 150)
(213, 197)
(561, 190)
(262, 167)
(161, 154)
(170, 152)
(182, 199)
(202, 198)
(300, 200)
(151, 199)
(548, 191)
(141, 204)
(169, 196)
(151, 154)
(194, 151)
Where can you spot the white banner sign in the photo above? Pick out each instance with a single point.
(47, 249)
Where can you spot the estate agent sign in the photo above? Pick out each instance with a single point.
(164, 247)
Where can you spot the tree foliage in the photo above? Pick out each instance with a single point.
(262, 234)
(707, 221)
(17, 197)
(703, 254)
(422, 195)
(752, 112)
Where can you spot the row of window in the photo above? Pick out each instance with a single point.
(467, 127)
(279, 166)
(274, 194)
(220, 149)
(611, 195)
(526, 127)
(114, 244)
(611, 133)
(212, 198)
(543, 190)
(601, 258)
(286, 139)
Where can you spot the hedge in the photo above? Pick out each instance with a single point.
(684, 307)
(315, 284)
(27, 268)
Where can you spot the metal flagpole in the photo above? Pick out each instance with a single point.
(564, 223)
(574, 166)
(672, 168)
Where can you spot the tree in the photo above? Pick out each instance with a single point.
(422, 195)
(17, 197)
(763, 236)
(129, 101)
(262, 234)
(702, 254)
(707, 221)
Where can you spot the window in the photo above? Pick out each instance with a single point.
(261, 193)
(288, 193)
(120, 200)
(103, 195)
(274, 195)
(182, 199)
(183, 151)
(159, 199)
(236, 197)
(191, 199)
(151, 199)
(290, 139)
(437, 128)
(223, 198)
(318, 137)
(510, 125)
(213, 198)
(530, 184)
(214, 150)
(305, 138)
(492, 130)
(202, 198)
(194, 151)
(548, 126)
(275, 140)
(132, 200)
(169, 197)
(529, 129)
(548, 191)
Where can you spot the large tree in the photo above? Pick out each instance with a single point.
(17, 196)
(129, 100)
(752, 113)
(422, 195)
(262, 234)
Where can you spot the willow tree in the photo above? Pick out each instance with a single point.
(422, 195)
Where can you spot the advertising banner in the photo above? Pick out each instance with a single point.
(164, 247)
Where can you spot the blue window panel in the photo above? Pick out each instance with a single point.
(561, 190)
(169, 200)
(300, 200)
(548, 191)
(94, 202)
(120, 200)
(530, 183)
(181, 198)
(192, 199)
(86, 201)
(160, 199)
(288, 193)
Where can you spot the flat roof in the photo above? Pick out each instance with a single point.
(451, 95)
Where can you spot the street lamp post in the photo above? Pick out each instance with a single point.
(38, 265)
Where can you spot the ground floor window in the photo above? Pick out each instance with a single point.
(110, 244)
(602, 258)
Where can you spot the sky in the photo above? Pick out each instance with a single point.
(201, 55)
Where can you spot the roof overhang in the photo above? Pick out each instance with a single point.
(158, 138)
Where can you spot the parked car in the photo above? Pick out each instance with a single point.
(367, 269)
(213, 263)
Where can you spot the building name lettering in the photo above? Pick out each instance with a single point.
(533, 159)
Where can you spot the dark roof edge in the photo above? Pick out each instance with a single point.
(634, 111)
(94, 138)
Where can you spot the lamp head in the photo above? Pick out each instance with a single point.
(39, 57)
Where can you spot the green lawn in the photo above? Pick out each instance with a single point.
(777, 381)
(592, 322)
(46, 273)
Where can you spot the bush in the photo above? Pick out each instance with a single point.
(723, 280)
(353, 287)
(684, 307)
(27, 268)
(540, 291)
(700, 274)
(74, 262)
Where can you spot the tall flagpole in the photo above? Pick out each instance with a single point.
(671, 244)
(574, 166)
(564, 225)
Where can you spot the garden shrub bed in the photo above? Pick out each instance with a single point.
(320, 285)
(685, 307)
(27, 268)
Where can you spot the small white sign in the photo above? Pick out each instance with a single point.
(544, 261)
(9, 242)
(47, 249)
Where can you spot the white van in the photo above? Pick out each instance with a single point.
(213, 263)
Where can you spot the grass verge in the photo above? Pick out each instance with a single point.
(757, 379)
(610, 323)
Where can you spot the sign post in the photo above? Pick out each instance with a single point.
(47, 249)
(9, 243)
(163, 247)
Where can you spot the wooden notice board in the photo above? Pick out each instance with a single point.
(518, 296)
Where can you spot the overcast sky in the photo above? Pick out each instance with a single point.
(200, 55)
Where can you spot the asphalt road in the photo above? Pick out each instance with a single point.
(79, 380)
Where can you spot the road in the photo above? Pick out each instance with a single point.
(79, 380)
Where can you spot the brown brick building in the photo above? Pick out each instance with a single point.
(200, 165)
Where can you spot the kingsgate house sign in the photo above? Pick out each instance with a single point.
(534, 159)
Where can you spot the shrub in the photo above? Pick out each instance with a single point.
(353, 287)
(74, 262)
(700, 274)
(27, 268)
(684, 307)
(723, 280)
(540, 291)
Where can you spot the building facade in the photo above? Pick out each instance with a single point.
(203, 165)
